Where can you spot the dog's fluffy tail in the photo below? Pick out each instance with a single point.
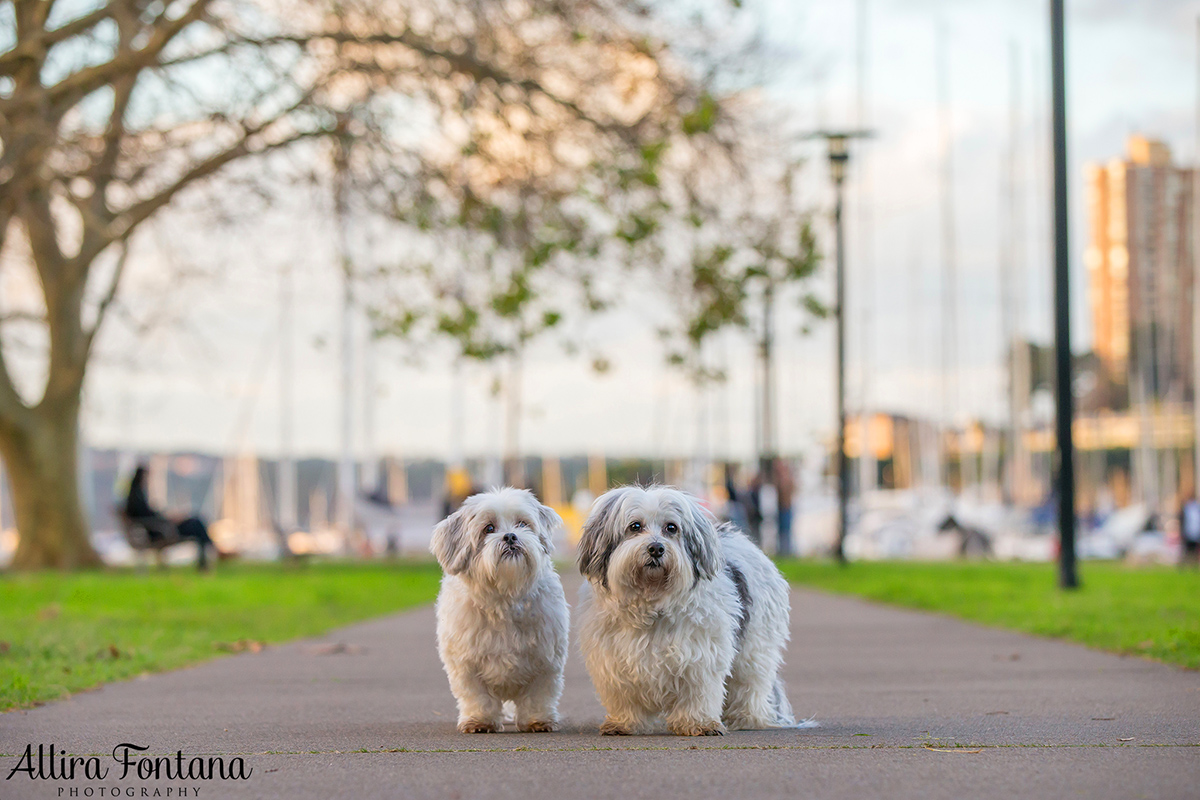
(784, 718)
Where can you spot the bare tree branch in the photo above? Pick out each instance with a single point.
(462, 58)
(36, 46)
(251, 142)
(79, 84)
(110, 295)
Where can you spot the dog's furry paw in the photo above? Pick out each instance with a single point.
(698, 729)
(478, 726)
(610, 728)
(538, 726)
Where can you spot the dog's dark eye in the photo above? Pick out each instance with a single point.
(522, 524)
(489, 528)
(635, 526)
(672, 528)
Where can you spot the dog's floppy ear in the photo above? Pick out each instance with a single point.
(450, 543)
(699, 538)
(548, 522)
(600, 536)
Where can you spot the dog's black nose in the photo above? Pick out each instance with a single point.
(656, 549)
(510, 538)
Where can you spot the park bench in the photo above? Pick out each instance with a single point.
(140, 535)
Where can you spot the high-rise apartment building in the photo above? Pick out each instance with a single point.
(1140, 270)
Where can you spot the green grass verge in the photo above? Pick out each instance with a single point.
(1145, 611)
(62, 633)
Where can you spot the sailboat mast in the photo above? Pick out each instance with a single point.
(286, 513)
(949, 343)
(345, 473)
(866, 462)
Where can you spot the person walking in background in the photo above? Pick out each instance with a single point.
(754, 511)
(158, 526)
(785, 490)
(1189, 531)
(735, 512)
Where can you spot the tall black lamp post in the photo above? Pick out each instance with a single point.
(839, 157)
(1064, 460)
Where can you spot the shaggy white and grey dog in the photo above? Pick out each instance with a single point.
(502, 617)
(679, 617)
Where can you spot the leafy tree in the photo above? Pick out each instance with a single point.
(530, 221)
(527, 204)
(745, 244)
(745, 254)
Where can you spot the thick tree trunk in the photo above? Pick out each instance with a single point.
(41, 461)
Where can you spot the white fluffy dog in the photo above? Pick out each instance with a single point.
(501, 613)
(679, 617)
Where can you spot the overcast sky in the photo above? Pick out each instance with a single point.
(210, 381)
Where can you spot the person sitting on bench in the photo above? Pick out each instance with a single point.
(139, 511)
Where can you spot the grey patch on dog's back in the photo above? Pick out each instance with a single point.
(743, 591)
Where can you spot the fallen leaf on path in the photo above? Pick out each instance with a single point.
(337, 648)
(240, 646)
(953, 750)
(1103, 719)
(994, 713)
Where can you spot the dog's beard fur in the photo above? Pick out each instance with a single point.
(507, 569)
(505, 559)
(636, 577)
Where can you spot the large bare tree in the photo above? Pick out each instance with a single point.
(109, 110)
(101, 127)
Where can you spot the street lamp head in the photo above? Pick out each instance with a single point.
(839, 155)
(839, 149)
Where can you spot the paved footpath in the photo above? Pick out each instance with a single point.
(909, 705)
